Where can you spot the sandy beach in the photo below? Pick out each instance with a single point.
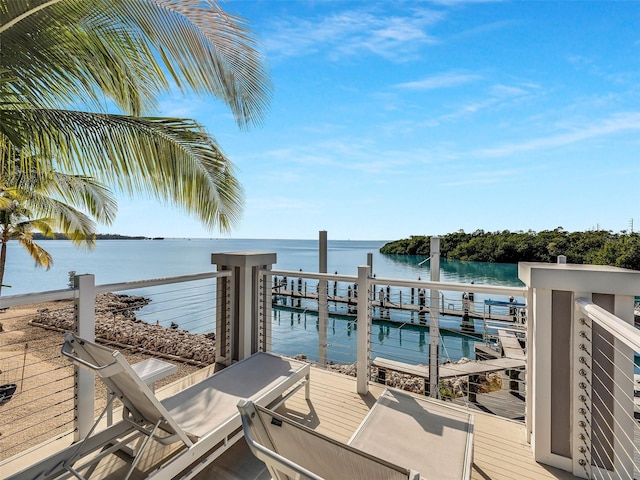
(30, 357)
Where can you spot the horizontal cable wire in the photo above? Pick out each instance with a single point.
(610, 413)
(620, 369)
(394, 333)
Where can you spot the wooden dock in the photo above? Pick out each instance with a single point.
(293, 299)
(510, 344)
(452, 370)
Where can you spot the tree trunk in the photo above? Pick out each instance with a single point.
(3, 254)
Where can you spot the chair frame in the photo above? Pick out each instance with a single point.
(282, 468)
(195, 454)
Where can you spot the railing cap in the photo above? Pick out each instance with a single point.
(580, 278)
(243, 259)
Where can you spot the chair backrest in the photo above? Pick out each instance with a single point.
(121, 379)
(293, 451)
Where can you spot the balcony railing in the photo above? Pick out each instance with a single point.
(316, 315)
(568, 372)
(170, 318)
(607, 393)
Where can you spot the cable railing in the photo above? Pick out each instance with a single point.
(399, 334)
(607, 393)
(36, 388)
(295, 326)
(579, 400)
(173, 318)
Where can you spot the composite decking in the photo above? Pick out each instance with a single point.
(500, 447)
(336, 410)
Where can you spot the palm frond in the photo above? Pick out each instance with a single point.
(126, 49)
(85, 193)
(172, 160)
(41, 257)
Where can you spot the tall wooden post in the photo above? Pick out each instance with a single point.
(323, 308)
(434, 315)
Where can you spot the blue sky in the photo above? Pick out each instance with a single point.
(395, 118)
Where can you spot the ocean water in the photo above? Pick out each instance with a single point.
(294, 333)
(126, 260)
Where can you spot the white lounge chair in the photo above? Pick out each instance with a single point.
(293, 451)
(203, 417)
(402, 435)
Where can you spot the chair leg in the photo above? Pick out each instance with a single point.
(67, 464)
(307, 387)
(142, 447)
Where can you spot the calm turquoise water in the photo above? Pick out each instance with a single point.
(293, 333)
(124, 260)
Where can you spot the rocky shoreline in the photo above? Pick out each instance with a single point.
(449, 388)
(116, 324)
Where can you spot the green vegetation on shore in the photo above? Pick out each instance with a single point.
(98, 236)
(599, 247)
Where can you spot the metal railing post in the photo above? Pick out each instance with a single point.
(364, 326)
(223, 327)
(85, 327)
(582, 387)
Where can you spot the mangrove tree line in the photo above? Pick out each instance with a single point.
(600, 247)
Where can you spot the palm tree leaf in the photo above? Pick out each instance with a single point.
(85, 193)
(41, 257)
(163, 157)
(126, 49)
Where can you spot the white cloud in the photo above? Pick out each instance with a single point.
(353, 32)
(504, 91)
(443, 80)
(615, 124)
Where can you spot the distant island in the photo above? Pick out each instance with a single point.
(599, 247)
(98, 236)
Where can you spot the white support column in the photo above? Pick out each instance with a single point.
(245, 298)
(364, 326)
(530, 374)
(539, 398)
(434, 319)
(85, 317)
(323, 307)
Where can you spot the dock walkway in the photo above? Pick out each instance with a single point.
(294, 295)
(451, 370)
(511, 347)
